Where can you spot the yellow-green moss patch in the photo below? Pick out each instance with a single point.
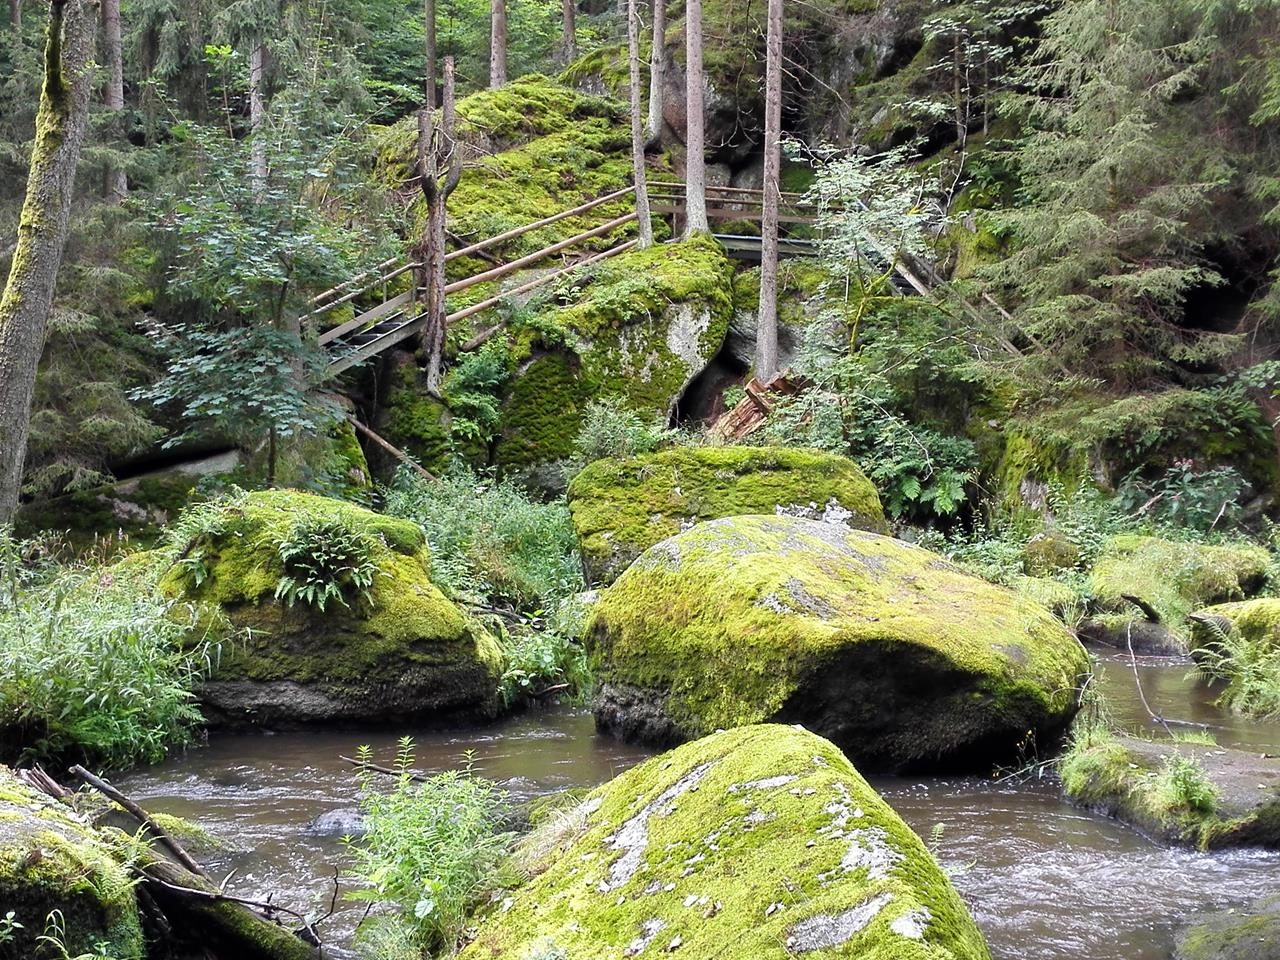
(760, 843)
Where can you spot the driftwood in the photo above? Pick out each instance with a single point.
(377, 768)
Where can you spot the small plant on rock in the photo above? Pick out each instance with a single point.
(325, 561)
(1183, 785)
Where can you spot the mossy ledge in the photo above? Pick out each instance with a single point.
(623, 507)
(900, 658)
(404, 651)
(759, 843)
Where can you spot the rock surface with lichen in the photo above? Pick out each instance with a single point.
(622, 507)
(398, 649)
(757, 843)
(895, 654)
(1249, 933)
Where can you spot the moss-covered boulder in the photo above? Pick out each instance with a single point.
(893, 653)
(1195, 794)
(1144, 587)
(753, 844)
(1251, 933)
(640, 326)
(623, 507)
(1257, 622)
(52, 860)
(341, 620)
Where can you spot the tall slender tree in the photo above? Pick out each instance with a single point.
(767, 316)
(657, 71)
(439, 170)
(497, 43)
(15, 14)
(637, 128)
(117, 181)
(569, 30)
(695, 176)
(258, 115)
(429, 48)
(42, 230)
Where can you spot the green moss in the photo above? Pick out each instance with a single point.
(51, 860)
(904, 659)
(1173, 577)
(405, 649)
(1028, 465)
(623, 507)
(138, 509)
(1257, 622)
(1250, 933)
(749, 843)
(413, 420)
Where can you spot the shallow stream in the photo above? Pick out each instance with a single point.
(1045, 881)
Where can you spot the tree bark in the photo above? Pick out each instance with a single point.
(767, 315)
(117, 181)
(695, 176)
(15, 14)
(429, 45)
(42, 231)
(436, 146)
(637, 133)
(258, 119)
(569, 38)
(657, 71)
(497, 43)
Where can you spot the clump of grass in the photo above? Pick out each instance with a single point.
(95, 665)
(430, 850)
(611, 429)
(490, 542)
(1182, 786)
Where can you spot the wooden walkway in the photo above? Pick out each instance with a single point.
(387, 301)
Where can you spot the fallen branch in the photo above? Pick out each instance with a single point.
(393, 450)
(369, 765)
(144, 818)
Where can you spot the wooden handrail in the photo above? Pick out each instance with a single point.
(316, 300)
(539, 224)
(354, 294)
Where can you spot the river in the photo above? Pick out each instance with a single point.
(1045, 880)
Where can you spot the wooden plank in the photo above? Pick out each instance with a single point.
(539, 224)
(375, 347)
(368, 318)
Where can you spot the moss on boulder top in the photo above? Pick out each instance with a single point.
(398, 648)
(623, 507)
(898, 656)
(1251, 933)
(1188, 793)
(51, 859)
(1170, 578)
(1257, 622)
(753, 844)
(640, 326)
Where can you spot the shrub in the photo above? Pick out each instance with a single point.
(97, 667)
(611, 429)
(1249, 663)
(489, 540)
(1183, 786)
(541, 658)
(429, 849)
(324, 560)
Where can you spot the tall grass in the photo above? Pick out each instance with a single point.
(489, 540)
(431, 849)
(95, 666)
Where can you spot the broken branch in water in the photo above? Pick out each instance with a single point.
(376, 768)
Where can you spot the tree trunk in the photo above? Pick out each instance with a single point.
(429, 45)
(117, 181)
(15, 14)
(569, 39)
(657, 71)
(695, 176)
(436, 143)
(497, 43)
(42, 231)
(767, 315)
(258, 119)
(637, 132)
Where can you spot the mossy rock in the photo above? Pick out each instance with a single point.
(899, 657)
(1131, 780)
(759, 843)
(1049, 552)
(1251, 933)
(1170, 578)
(52, 860)
(623, 507)
(641, 327)
(403, 650)
(1257, 621)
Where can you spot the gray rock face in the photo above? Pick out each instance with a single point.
(1249, 934)
(343, 822)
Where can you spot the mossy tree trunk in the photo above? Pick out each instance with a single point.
(657, 71)
(497, 44)
(42, 231)
(117, 181)
(695, 177)
(767, 315)
(637, 131)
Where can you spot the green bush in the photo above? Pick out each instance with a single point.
(324, 560)
(430, 848)
(1182, 785)
(95, 666)
(489, 541)
(538, 659)
(611, 429)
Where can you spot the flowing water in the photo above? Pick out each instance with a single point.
(1045, 881)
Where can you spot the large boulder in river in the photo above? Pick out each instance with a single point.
(889, 650)
(622, 507)
(1144, 587)
(52, 860)
(1251, 933)
(339, 616)
(760, 843)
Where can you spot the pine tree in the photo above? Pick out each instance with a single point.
(695, 177)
